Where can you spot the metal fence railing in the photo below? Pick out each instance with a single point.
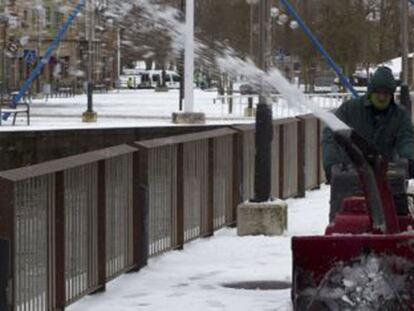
(296, 157)
(189, 182)
(234, 106)
(74, 224)
(54, 215)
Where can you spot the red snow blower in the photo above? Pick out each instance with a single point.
(365, 260)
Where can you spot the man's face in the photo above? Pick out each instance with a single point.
(381, 99)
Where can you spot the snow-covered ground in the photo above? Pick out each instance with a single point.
(135, 108)
(192, 279)
(128, 108)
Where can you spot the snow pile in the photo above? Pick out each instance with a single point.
(368, 283)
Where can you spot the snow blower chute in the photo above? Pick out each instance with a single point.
(365, 260)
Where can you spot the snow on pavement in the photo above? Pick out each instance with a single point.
(192, 279)
(132, 108)
(128, 108)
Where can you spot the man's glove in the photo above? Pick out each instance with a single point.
(328, 178)
(410, 169)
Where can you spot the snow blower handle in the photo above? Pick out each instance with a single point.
(371, 167)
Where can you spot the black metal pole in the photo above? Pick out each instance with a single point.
(264, 128)
(405, 100)
(89, 115)
(181, 64)
(3, 63)
(90, 59)
(90, 96)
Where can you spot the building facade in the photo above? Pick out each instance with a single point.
(29, 27)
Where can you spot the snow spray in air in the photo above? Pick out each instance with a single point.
(168, 20)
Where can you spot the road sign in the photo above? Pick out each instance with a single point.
(30, 56)
(12, 48)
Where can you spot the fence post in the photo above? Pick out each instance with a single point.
(318, 154)
(230, 97)
(301, 158)
(319, 151)
(210, 200)
(4, 272)
(180, 197)
(101, 226)
(59, 273)
(237, 197)
(281, 160)
(140, 209)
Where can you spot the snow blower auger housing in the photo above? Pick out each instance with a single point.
(365, 260)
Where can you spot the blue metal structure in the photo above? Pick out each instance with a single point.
(319, 46)
(48, 53)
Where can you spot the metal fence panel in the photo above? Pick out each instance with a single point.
(290, 180)
(223, 181)
(275, 163)
(81, 272)
(248, 164)
(34, 202)
(4, 272)
(162, 203)
(195, 186)
(311, 149)
(118, 177)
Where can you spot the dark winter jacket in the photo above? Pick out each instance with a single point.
(390, 131)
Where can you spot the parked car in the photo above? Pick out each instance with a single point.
(247, 89)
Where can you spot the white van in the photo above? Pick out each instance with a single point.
(153, 78)
(147, 79)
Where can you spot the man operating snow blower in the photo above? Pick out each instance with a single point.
(365, 259)
(381, 122)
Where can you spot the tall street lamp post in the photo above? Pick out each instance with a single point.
(181, 64)
(189, 58)
(40, 14)
(118, 57)
(251, 3)
(405, 92)
(4, 22)
(188, 115)
(89, 115)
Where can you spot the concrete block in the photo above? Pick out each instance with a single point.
(89, 116)
(268, 218)
(189, 118)
(161, 89)
(249, 112)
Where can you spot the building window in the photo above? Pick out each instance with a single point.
(25, 19)
(34, 16)
(58, 19)
(48, 15)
